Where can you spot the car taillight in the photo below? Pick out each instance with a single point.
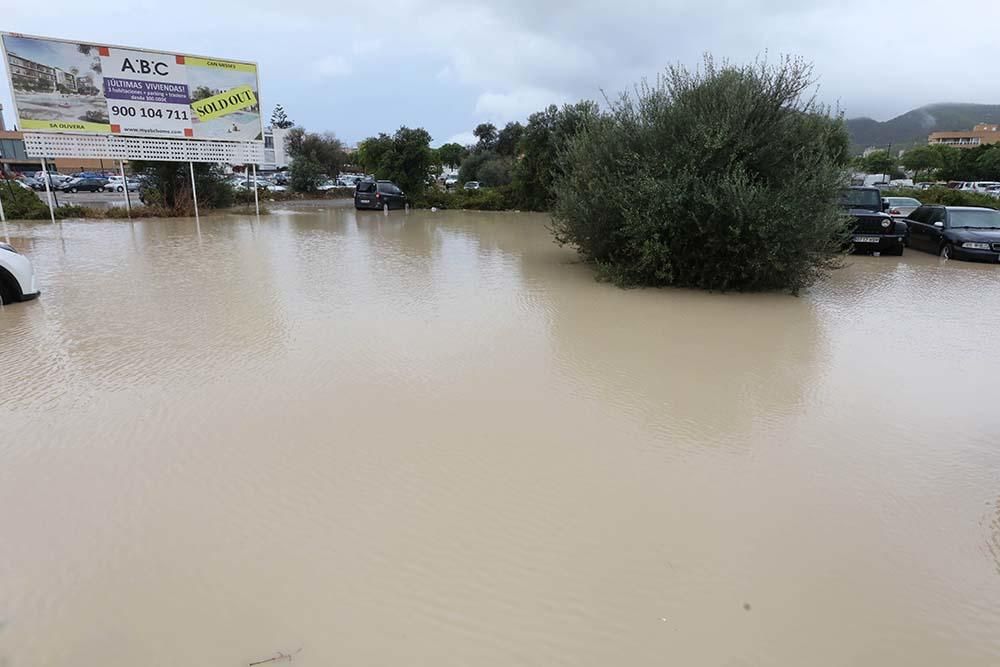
(378, 195)
(894, 211)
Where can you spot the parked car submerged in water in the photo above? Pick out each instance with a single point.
(956, 232)
(378, 194)
(874, 230)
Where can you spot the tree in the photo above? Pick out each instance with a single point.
(405, 158)
(279, 118)
(372, 150)
(951, 162)
(496, 172)
(665, 189)
(541, 140)
(921, 159)
(487, 135)
(201, 93)
(451, 155)
(315, 157)
(988, 163)
(408, 163)
(879, 162)
(508, 139)
(168, 184)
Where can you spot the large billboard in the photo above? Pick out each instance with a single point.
(79, 87)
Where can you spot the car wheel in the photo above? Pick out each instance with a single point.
(10, 291)
(121, 189)
(946, 251)
(898, 252)
(73, 190)
(100, 189)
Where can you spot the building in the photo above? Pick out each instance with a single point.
(275, 157)
(28, 74)
(981, 134)
(66, 81)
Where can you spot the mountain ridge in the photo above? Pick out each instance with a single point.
(911, 128)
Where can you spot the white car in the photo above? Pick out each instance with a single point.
(115, 184)
(17, 277)
(243, 184)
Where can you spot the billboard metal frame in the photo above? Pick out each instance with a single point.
(121, 147)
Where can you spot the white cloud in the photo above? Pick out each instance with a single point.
(463, 138)
(516, 104)
(331, 66)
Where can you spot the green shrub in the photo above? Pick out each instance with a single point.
(485, 199)
(945, 196)
(725, 178)
(246, 196)
(21, 204)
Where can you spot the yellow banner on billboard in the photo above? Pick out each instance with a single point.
(65, 126)
(191, 61)
(232, 100)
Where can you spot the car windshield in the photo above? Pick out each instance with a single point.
(860, 198)
(902, 201)
(982, 219)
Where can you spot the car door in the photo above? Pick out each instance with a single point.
(364, 195)
(395, 196)
(935, 234)
(916, 224)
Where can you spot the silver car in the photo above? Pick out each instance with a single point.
(900, 207)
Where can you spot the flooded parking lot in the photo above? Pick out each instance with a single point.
(434, 439)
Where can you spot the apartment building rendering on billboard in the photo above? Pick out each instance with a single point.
(29, 75)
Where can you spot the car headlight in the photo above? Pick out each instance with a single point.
(977, 246)
(886, 223)
(8, 247)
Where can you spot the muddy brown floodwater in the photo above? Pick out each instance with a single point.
(433, 439)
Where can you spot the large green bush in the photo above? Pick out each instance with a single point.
(724, 178)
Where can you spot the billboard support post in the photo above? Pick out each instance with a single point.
(194, 193)
(256, 201)
(128, 204)
(48, 190)
(3, 219)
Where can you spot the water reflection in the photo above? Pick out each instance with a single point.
(433, 437)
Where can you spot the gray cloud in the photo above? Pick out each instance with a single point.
(449, 64)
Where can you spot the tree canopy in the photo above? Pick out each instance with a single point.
(279, 118)
(404, 158)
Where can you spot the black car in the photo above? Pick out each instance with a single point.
(873, 230)
(84, 185)
(376, 194)
(959, 232)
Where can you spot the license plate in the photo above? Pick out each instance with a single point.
(366, 201)
(866, 239)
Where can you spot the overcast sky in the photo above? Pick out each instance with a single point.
(358, 68)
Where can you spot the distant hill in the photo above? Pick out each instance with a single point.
(912, 128)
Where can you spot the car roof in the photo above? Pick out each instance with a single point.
(968, 208)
